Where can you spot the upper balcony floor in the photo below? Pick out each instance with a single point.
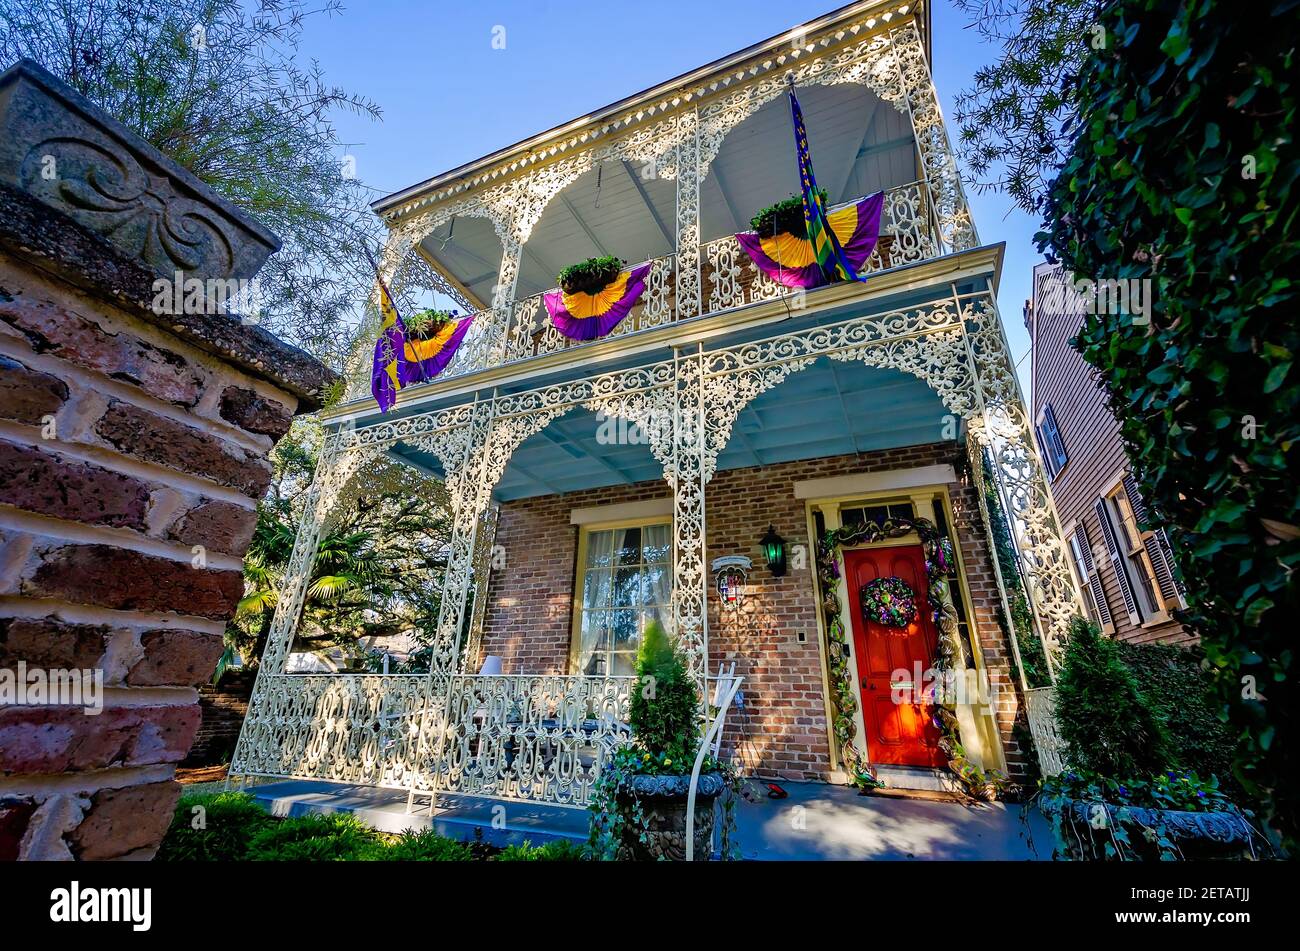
(668, 177)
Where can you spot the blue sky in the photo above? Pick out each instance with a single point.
(449, 97)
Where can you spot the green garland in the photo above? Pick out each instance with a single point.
(938, 562)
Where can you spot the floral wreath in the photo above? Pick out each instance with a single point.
(889, 601)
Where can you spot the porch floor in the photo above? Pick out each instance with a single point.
(819, 822)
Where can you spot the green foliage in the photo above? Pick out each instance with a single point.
(212, 828)
(665, 706)
(785, 216)
(1178, 690)
(216, 86)
(378, 567)
(424, 846)
(1184, 173)
(1186, 792)
(314, 838)
(1106, 722)
(590, 276)
(557, 850)
(1015, 120)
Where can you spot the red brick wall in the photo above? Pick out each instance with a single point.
(782, 729)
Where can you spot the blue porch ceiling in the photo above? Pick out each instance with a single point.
(828, 409)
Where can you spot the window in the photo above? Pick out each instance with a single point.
(1050, 443)
(1094, 594)
(876, 512)
(625, 580)
(1127, 548)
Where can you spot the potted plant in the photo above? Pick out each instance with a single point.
(639, 811)
(784, 217)
(426, 324)
(1123, 795)
(590, 276)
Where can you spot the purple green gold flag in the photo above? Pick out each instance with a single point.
(583, 316)
(388, 367)
(791, 261)
(425, 359)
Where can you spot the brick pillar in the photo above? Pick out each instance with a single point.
(133, 450)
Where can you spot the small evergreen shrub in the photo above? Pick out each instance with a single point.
(783, 217)
(1108, 725)
(590, 276)
(314, 838)
(664, 707)
(558, 850)
(213, 828)
(424, 846)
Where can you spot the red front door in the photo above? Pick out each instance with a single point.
(901, 734)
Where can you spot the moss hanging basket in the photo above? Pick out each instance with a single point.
(590, 276)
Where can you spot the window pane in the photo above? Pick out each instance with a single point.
(627, 588)
(595, 589)
(624, 630)
(901, 510)
(850, 516)
(629, 547)
(592, 647)
(623, 665)
(655, 582)
(875, 513)
(656, 543)
(599, 548)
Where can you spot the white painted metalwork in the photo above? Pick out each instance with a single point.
(1040, 706)
(539, 737)
(727, 685)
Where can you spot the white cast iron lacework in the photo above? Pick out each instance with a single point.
(543, 737)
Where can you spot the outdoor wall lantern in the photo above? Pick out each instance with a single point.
(774, 551)
(732, 571)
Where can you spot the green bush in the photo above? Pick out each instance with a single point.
(1185, 172)
(1108, 725)
(590, 276)
(1178, 690)
(333, 837)
(664, 709)
(783, 217)
(219, 832)
(424, 846)
(558, 850)
(424, 324)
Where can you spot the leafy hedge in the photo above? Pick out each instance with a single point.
(1184, 173)
(232, 827)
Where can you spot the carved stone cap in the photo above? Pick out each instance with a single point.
(64, 151)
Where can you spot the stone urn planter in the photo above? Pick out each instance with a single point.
(1196, 835)
(662, 800)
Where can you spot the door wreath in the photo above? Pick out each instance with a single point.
(889, 601)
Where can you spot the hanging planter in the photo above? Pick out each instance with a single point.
(432, 338)
(594, 296)
(889, 601)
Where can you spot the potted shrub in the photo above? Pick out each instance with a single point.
(590, 276)
(639, 811)
(1123, 794)
(425, 324)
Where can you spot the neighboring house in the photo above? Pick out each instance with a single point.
(1126, 572)
(595, 482)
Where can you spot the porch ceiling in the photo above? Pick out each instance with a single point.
(828, 409)
(860, 145)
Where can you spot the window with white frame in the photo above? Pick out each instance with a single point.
(1137, 576)
(624, 581)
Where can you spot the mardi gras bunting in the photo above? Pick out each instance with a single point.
(426, 358)
(583, 316)
(388, 369)
(791, 261)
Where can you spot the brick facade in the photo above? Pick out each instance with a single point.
(133, 450)
(781, 732)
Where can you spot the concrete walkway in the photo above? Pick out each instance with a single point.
(817, 823)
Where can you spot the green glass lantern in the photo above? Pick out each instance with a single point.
(774, 551)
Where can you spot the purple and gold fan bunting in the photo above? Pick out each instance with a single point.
(583, 316)
(426, 358)
(791, 261)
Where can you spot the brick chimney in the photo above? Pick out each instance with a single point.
(136, 418)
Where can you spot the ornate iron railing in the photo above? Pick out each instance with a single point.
(542, 737)
(1040, 705)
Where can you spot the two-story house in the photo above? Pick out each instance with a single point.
(742, 460)
(1125, 570)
